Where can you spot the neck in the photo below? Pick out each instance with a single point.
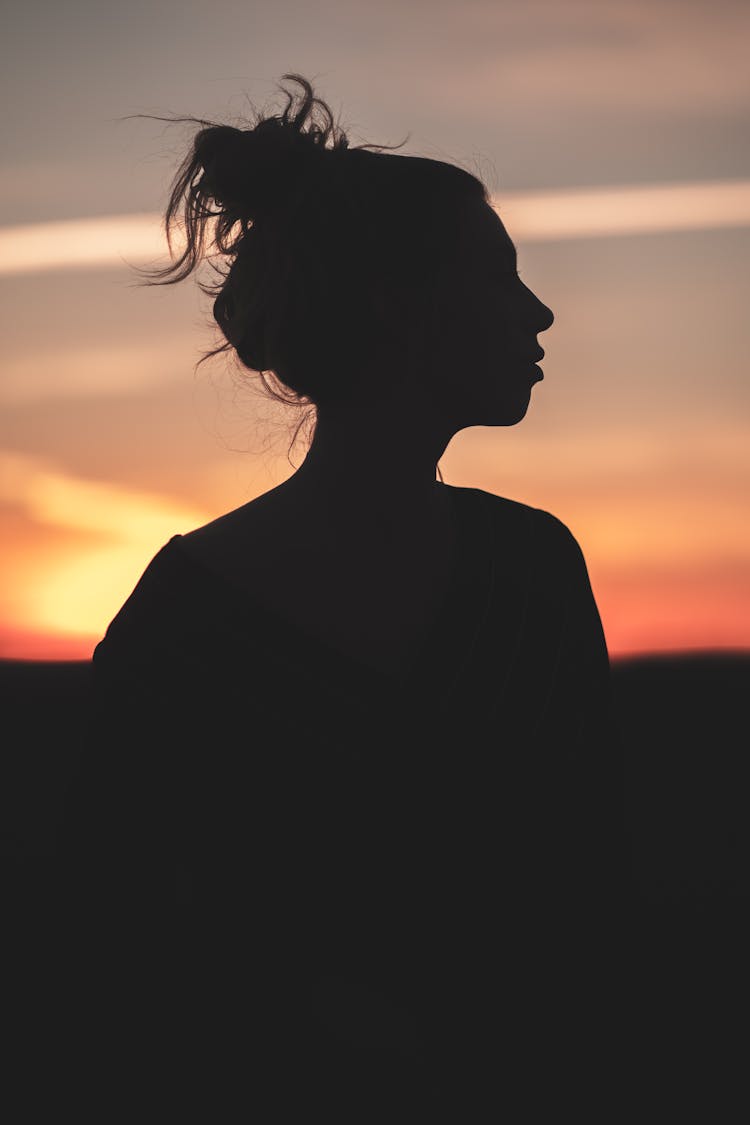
(371, 461)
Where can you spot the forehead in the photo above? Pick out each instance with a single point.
(489, 241)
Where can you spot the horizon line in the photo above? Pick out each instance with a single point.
(698, 652)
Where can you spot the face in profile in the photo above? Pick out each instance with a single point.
(486, 331)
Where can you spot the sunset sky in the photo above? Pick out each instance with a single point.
(614, 138)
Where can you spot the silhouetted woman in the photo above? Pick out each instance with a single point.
(351, 800)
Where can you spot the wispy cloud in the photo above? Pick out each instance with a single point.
(121, 529)
(536, 216)
(109, 240)
(110, 510)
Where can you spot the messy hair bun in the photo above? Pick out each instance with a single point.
(254, 173)
(326, 248)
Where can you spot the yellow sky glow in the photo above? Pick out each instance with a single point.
(118, 528)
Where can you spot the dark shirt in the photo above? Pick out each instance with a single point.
(404, 886)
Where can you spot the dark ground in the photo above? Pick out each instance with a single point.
(684, 724)
(683, 719)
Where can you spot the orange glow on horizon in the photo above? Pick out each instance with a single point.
(26, 644)
(647, 616)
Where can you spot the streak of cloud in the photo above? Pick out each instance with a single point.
(604, 212)
(536, 216)
(110, 240)
(98, 506)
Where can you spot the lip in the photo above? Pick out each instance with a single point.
(539, 356)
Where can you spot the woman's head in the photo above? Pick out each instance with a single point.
(488, 354)
(339, 261)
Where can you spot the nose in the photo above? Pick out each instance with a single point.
(543, 311)
(549, 317)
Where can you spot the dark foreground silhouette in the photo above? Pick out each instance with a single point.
(265, 862)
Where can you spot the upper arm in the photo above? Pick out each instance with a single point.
(117, 840)
(581, 727)
(584, 639)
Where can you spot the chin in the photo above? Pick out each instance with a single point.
(510, 416)
(497, 414)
